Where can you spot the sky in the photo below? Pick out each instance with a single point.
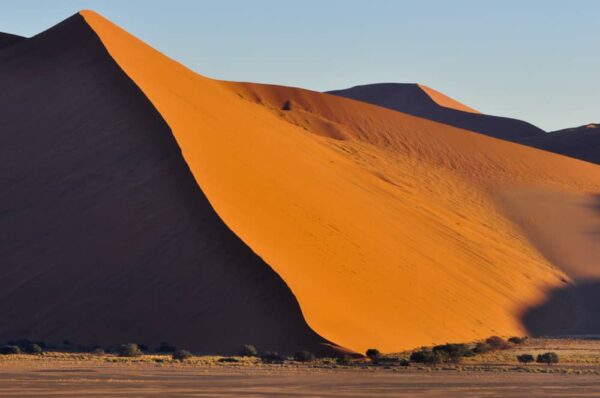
(534, 60)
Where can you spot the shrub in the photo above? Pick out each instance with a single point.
(517, 340)
(287, 106)
(455, 352)
(165, 347)
(482, 348)
(143, 347)
(271, 357)
(373, 354)
(98, 351)
(181, 355)
(403, 362)
(33, 348)
(248, 351)
(10, 349)
(129, 350)
(525, 358)
(548, 358)
(304, 356)
(431, 357)
(344, 360)
(229, 359)
(497, 343)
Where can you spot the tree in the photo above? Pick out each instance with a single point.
(33, 349)
(181, 355)
(548, 358)
(271, 357)
(496, 343)
(431, 357)
(482, 348)
(304, 356)
(129, 350)
(248, 351)
(373, 354)
(455, 352)
(525, 358)
(9, 349)
(517, 340)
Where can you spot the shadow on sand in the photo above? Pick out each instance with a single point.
(571, 310)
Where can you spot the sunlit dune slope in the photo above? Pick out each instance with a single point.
(445, 101)
(387, 228)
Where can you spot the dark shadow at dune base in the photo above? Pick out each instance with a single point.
(571, 310)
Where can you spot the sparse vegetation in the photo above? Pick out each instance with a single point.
(248, 351)
(271, 357)
(129, 350)
(497, 343)
(33, 349)
(525, 358)
(304, 356)
(373, 354)
(10, 350)
(181, 355)
(517, 340)
(548, 358)
(429, 357)
(455, 352)
(287, 106)
(482, 348)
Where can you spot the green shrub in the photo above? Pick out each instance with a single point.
(497, 343)
(517, 340)
(181, 355)
(228, 359)
(271, 357)
(304, 356)
(525, 358)
(344, 360)
(548, 358)
(455, 352)
(430, 357)
(482, 348)
(10, 349)
(373, 354)
(33, 349)
(129, 350)
(248, 351)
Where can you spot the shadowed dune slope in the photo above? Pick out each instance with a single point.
(418, 100)
(580, 142)
(7, 39)
(389, 229)
(105, 236)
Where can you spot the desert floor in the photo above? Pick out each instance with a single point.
(490, 375)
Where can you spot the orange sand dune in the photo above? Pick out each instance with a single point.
(444, 100)
(386, 227)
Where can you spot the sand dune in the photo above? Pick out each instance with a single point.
(7, 39)
(422, 101)
(293, 217)
(388, 228)
(104, 235)
(415, 99)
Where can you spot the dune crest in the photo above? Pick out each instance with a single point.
(445, 101)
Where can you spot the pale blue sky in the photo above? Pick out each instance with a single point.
(534, 60)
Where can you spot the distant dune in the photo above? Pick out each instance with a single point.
(581, 142)
(292, 219)
(419, 100)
